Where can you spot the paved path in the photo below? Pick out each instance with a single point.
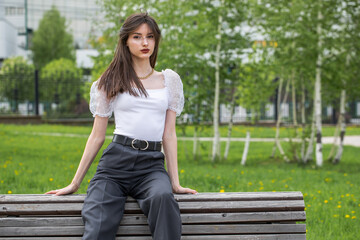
(349, 140)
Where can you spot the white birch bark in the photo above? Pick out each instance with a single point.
(231, 122)
(336, 136)
(309, 151)
(318, 153)
(343, 125)
(216, 142)
(246, 148)
(293, 96)
(277, 141)
(279, 111)
(195, 143)
(303, 121)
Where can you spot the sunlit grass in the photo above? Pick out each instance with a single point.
(38, 163)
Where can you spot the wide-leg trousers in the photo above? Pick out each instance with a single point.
(124, 171)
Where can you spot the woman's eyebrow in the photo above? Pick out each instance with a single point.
(141, 34)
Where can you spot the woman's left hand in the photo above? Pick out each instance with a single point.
(182, 190)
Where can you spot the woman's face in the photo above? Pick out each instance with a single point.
(141, 42)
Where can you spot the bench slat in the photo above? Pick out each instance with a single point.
(141, 219)
(144, 230)
(197, 237)
(230, 196)
(133, 207)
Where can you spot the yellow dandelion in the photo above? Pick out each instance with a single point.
(345, 174)
(182, 171)
(9, 192)
(261, 188)
(2, 181)
(309, 205)
(88, 180)
(305, 194)
(20, 164)
(338, 206)
(330, 198)
(319, 191)
(286, 186)
(222, 190)
(353, 217)
(51, 179)
(326, 201)
(335, 215)
(273, 180)
(304, 209)
(342, 195)
(16, 172)
(339, 202)
(347, 195)
(352, 212)
(249, 183)
(242, 172)
(347, 216)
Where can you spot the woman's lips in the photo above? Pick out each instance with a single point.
(145, 50)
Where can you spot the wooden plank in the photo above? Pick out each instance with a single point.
(144, 230)
(133, 207)
(196, 237)
(140, 219)
(230, 196)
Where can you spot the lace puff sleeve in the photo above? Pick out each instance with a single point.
(175, 90)
(99, 104)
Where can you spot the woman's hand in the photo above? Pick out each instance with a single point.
(181, 190)
(64, 191)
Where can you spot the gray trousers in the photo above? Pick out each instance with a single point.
(124, 171)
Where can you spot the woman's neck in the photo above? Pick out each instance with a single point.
(142, 67)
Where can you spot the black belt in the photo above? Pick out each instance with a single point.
(137, 144)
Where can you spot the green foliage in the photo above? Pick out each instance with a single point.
(17, 80)
(51, 40)
(61, 82)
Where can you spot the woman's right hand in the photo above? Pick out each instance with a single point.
(72, 188)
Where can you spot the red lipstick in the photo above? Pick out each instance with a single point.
(145, 50)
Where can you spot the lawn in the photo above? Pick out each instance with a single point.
(32, 163)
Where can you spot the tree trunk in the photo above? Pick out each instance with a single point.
(309, 152)
(318, 153)
(336, 136)
(278, 114)
(232, 108)
(343, 125)
(246, 148)
(293, 96)
(303, 121)
(195, 142)
(277, 141)
(216, 142)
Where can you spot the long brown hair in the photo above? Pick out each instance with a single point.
(120, 76)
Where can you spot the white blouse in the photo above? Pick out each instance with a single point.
(141, 117)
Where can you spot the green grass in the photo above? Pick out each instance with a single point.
(187, 131)
(38, 163)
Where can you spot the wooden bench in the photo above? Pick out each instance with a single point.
(255, 215)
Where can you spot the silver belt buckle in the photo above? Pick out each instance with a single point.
(142, 149)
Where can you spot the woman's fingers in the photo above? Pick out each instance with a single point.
(186, 190)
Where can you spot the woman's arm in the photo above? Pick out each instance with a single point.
(93, 145)
(170, 149)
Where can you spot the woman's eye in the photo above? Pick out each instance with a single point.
(151, 36)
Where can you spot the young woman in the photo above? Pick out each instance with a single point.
(145, 104)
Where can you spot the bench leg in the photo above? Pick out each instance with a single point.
(103, 209)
